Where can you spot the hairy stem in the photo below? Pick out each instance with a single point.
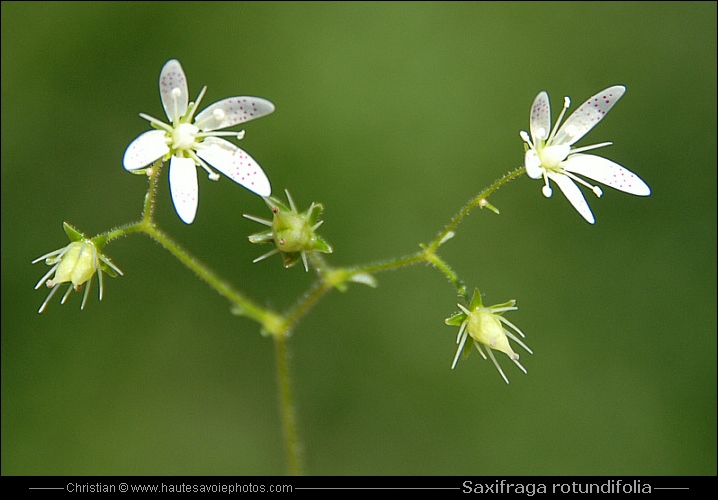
(280, 326)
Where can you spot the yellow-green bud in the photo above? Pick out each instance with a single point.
(486, 327)
(78, 264)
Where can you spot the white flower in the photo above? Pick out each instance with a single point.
(187, 143)
(551, 156)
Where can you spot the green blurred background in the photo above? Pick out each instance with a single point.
(392, 115)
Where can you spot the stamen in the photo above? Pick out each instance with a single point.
(158, 123)
(546, 190)
(464, 309)
(268, 254)
(496, 364)
(516, 362)
(566, 104)
(596, 190)
(525, 137)
(517, 340)
(507, 322)
(87, 292)
(587, 148)
(193, 106)
(460, 348)
(304, 259)
(176, 93)
(99, 278)
(47, 300)
(109, 263)
(50, 254)
(47, 275)
(258, 219)
(67, 294)
(461, 330)
(480, 349)
(213, 176)
(291, 201)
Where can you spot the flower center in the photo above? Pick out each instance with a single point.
(552, 156)
(183, 136)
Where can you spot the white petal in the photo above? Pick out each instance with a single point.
(607, 172)
(235, 164)
(540, 117)
(147, 148)
(183, 186)
(533, 164)
(588, 115)
(231, 111)
(573, 194)
(173, 90)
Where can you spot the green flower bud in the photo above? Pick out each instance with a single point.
(293, 233)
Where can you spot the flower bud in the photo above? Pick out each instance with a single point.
(76, 264)
(293, 233)
(485, 326)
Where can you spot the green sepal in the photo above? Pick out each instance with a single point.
(72, 233)
(273, 203)
(263, 237)
(510, 303)
(290, 259)
(456, 319)
(99, 241)
(320, 245)
(468, 345)
(312, 214)
(475, 301)
(140, 171)
(107, 269)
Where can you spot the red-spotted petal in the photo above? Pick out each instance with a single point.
(183, 186)
(574, 195)
(540, 121)
(147, 148)
(173, 90)
(235, 164)
(588, 115)
(231, 111)
(607, 172)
